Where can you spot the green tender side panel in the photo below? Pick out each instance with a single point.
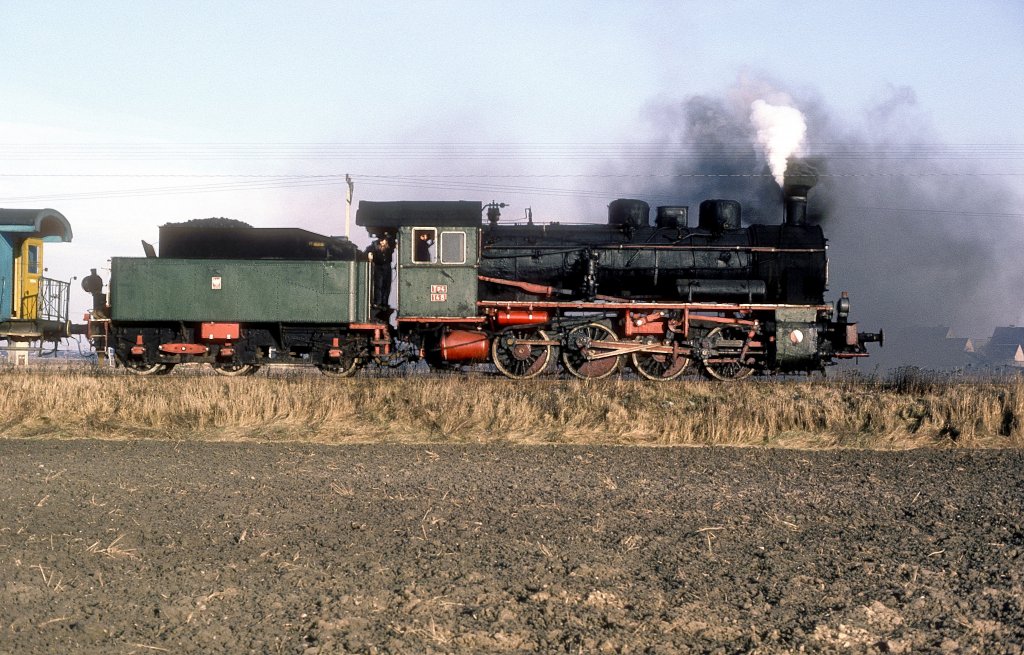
(254, 291)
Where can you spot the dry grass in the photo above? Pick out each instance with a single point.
(113, 550)
(82, 402)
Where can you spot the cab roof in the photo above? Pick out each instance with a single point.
(48, 224)
(440, 213)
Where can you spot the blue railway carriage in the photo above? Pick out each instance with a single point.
(33, 307)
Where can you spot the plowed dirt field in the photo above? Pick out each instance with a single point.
(151, 547)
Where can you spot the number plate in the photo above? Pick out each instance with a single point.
(438, 292)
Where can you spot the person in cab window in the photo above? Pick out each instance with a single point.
(424, 246)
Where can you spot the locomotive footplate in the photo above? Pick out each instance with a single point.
(579, 305)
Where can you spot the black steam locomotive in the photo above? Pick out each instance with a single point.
(665, 298)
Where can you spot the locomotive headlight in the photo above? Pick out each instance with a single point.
(796, 336)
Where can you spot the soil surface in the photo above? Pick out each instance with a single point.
(151, 547)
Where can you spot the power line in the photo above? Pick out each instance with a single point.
(950, 212)
(491, 151)
(463, 182)
(290, 182)
(511, 175)
(743, 142)
(422, 182)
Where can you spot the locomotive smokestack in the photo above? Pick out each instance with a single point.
(799, 180)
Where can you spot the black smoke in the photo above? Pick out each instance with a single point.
(712, 146)
(921, 231)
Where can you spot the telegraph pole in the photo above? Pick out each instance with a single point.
(348, 204)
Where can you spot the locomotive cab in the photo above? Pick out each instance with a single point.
(437, 271)
(438, 256)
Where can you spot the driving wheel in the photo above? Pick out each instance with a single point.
(659, 367)
(727, 342)
(518, 360)
(583, 360)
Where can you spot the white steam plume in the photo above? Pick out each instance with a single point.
(780, 131)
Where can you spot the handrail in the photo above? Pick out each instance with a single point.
(50, 304)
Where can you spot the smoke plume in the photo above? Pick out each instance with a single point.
(780, 132)
(920, 233)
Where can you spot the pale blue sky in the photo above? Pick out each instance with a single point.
(184, 75)
(317, 71)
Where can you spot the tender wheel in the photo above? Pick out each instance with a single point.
(520, 361)
(235, 370)
(578, 355)
(142, 368)
(659, 367)
(728, 371)
(342, 368)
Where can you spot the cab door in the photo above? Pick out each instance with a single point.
(29, 270)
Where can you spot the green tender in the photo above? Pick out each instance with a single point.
(260, 291)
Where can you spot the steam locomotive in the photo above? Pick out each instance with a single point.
(664, 299)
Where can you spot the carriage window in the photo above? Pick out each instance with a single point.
(423, 245)
(33, 260)
(453, 248)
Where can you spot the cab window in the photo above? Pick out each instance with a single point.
(453, 248)
(423, 245)
(33, 260)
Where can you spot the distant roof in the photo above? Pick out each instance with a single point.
(928, 347)
(961, 343)
(935, 332)
(1005, 352)
(1008, 335)
(49, 224)
(917, 332)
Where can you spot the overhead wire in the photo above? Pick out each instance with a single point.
(277, 182)
(43, 151)
(66, 152)
(293, 182)
(527, 175)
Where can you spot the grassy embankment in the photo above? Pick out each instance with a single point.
(907, 412)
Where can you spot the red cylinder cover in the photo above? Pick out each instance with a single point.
(465, 346)
(521, 317)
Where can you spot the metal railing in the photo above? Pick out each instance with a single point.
(50, 304)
